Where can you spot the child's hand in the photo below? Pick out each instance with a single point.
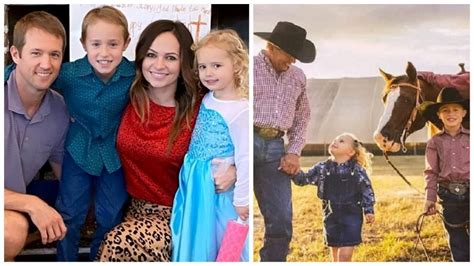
(294, 179)
(369, 218)
(243, 212)
(223, 181)
(297, 172)
(430, 207)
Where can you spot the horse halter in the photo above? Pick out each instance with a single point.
(412, 117)
(408, 125)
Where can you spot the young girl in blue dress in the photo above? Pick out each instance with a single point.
(221, 134)
(344, 186)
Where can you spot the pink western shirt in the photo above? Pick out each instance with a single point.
(280, 101)
(447, 159)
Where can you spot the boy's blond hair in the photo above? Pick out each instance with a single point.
(230, 41)
(105, 13)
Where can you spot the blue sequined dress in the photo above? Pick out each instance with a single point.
(199, 214)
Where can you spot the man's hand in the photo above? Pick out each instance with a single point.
(243, 212)
(369, 218)
(224, 181)
(430, 207)
(290, 164)
(48, 221)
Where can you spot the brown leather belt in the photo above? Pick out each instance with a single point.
(268, 133)
(456, 188)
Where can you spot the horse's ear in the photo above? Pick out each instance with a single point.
(411, 71)
(386, 76)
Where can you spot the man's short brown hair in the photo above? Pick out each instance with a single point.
(41, 20)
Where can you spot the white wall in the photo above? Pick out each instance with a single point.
(139, 16)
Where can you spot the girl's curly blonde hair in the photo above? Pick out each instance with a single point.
(361, 155)
(229, 41)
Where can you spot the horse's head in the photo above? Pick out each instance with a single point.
(401, 96)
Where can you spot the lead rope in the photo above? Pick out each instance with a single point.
(418, 228)
(420, 220)
(400, 174)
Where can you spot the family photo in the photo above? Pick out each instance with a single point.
(146, 148)
(341, 94)
(248, 133)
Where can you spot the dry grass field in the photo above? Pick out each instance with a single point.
(390, 238)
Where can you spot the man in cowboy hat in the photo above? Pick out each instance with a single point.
(280, 107)
(447, 168)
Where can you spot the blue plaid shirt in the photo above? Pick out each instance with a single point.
(316, 176)
(96, 109)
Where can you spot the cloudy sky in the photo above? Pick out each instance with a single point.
(355, 40)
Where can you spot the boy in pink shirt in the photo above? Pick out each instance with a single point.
(447, 168)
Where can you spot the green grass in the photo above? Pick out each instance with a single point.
(391, 238)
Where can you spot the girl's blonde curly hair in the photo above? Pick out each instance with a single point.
(229, 41)
(361, 155)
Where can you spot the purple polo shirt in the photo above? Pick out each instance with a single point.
(31, 141)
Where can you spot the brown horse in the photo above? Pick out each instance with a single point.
(401, 96)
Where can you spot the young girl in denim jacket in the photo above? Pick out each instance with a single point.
(346, 191)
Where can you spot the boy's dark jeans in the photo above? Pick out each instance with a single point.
(273, 192)
(456, 211)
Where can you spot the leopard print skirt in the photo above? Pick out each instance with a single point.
(144, 235)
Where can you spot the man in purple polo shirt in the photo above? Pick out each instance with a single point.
(280, 107)
(36, 122)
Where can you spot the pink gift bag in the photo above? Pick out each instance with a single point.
(233, 242)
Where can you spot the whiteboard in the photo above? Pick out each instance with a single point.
(196, 17)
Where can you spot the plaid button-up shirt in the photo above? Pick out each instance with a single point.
(446, 159)
(280, 101)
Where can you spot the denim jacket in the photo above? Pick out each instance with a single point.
(317, 175)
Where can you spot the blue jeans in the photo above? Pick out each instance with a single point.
(456, 211)
(273, 192)
(77, 191)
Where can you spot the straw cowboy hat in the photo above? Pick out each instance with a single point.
(447, 95)
(291, 38)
